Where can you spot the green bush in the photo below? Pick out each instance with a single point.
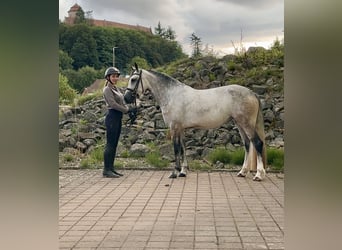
(66, 93)
(82, 78)
(85, 98)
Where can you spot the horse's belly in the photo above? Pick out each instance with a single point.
(201, 109)
(206, 120)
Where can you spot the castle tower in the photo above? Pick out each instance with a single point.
(72, 14)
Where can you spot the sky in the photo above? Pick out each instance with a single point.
(220, 24)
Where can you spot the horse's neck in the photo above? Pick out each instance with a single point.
(162, 91)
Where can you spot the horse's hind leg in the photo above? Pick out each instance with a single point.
(251, 128)
(249, 154)
(260, 148)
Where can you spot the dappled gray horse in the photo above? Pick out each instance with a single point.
(184, 107)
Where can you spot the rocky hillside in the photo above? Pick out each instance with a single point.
(82, 128)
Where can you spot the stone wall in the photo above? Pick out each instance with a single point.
(82, 127)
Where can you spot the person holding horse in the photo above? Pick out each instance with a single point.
(115, 108)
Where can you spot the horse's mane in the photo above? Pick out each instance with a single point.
(164, 78)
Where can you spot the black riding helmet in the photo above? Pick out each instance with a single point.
(111, 71)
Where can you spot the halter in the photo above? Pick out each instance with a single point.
(134, 90)
(132, 116)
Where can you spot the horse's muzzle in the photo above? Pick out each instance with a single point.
(129, 96)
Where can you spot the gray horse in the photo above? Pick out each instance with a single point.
(184, 107)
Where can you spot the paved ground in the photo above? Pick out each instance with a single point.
(147, 210)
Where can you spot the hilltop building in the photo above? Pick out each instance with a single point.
(70, 19)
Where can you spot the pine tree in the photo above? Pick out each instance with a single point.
(196, 44)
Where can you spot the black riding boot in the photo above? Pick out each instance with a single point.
(108, 170)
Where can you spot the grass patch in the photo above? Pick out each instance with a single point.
(87, 163)
(212, 77)
(118, 164)
(199, 166)
(275, 158)
(237, 157)
(124, 154)
(94, 159)
(68, 157)
(219, 154)
(227, 157)
(154, 159)
(97, 154)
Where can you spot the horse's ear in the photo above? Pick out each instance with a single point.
(136, 66)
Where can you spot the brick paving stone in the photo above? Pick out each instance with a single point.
(147, 210)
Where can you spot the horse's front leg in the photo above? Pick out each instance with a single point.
(184, 166)
(177, 150)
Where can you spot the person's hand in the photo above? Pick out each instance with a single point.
(132, 113)
(132, 109)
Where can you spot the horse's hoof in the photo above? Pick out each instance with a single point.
(182, 175)
(257, 178)
(173, 175)
(241, 175)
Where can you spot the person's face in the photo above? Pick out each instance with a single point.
(114, 78)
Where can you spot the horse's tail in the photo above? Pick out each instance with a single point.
(260, 130)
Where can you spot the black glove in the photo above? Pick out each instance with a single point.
(132, 109)
(132, 113)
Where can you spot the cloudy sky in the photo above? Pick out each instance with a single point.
(219, 23)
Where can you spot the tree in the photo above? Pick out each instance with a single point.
(142, 63)
(196, 44)
(83, 77)
(82, 47)
(93, 46)
(170, 34)
(159, 30)
(65, 61)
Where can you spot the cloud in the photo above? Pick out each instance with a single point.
(252, 4)
(216, 22)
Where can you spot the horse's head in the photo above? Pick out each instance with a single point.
(133, 91)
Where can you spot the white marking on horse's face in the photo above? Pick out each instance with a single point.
(133, 81)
